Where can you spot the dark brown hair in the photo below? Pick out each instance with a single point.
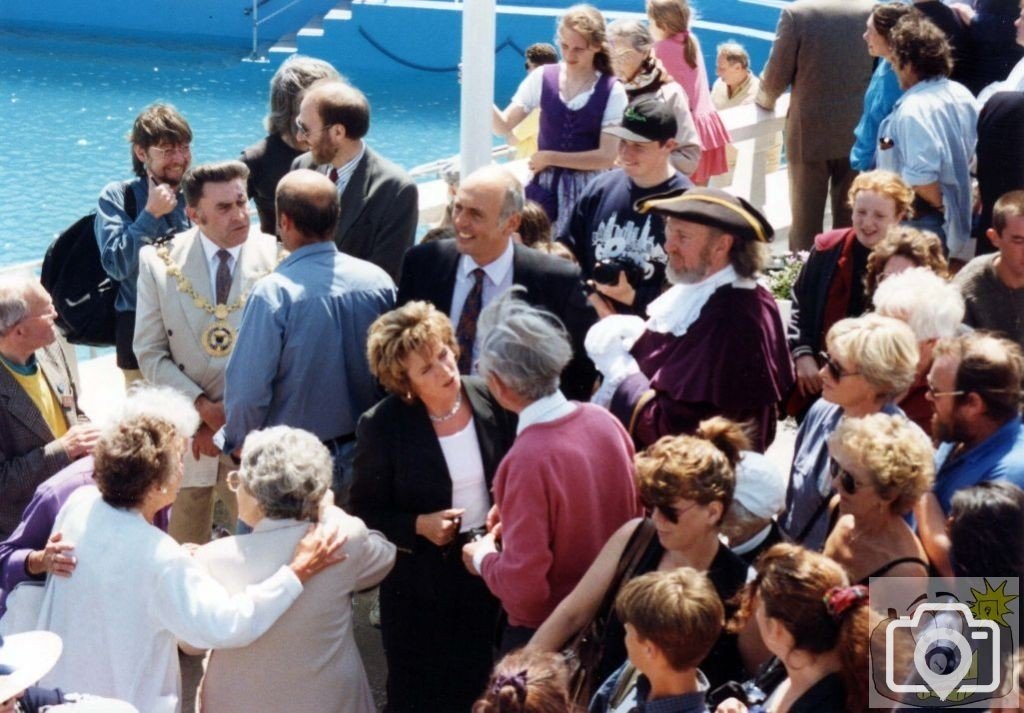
(527, 681)
(196, 178)
(157, 124)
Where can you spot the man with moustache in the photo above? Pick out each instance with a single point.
(379, 202)
(135, 213)
(714, 344)
(190, 298)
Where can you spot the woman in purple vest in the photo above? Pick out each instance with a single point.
(577, 98)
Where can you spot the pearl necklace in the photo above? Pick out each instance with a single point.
(451, 414)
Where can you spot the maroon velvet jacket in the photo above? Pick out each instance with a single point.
(733, 362)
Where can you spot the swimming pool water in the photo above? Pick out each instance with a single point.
(68, 104)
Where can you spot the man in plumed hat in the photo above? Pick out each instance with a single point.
(714, 343)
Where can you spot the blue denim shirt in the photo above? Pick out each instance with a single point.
(998, 457)
(120, 238)
(300, 359)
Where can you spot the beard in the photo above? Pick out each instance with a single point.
(692, 275)
(948, 431)
(323, 150)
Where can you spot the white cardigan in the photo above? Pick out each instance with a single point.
(133, 594)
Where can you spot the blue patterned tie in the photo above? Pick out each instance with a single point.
(465, 333)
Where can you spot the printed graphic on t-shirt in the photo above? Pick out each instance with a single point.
(629, 240)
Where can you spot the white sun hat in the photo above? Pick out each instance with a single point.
(26, 658)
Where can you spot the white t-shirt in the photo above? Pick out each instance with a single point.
(528, 96)
(466, 468)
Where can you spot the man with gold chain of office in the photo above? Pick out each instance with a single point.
(190, 297)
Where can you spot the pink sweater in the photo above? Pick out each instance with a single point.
(563, 489)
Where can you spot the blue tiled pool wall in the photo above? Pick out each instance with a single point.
(70, 100)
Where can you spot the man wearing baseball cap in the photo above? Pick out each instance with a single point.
(714, 343)
(605, 229)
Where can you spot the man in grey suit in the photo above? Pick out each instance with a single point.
(41, 427)
(190, 298)
(820, 53)
(379, 202)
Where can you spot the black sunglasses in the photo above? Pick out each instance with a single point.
(833, 367)
(846, 481)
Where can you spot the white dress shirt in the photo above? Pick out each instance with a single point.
(210, 250)
(497, 279)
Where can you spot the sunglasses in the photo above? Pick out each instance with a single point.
(672, 514)
(833, 367)
(846, 481)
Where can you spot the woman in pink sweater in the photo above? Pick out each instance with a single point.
(564, 487)
(679, 51)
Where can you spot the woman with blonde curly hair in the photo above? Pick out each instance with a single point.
(831, 284)
(902, 248)
(869, 363)
(425, 459)
(687, 484)
(881, 465)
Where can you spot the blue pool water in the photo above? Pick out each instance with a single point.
(68, 104)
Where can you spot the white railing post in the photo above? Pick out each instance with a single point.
(255, 30)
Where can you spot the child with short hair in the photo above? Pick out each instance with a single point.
(672, 620)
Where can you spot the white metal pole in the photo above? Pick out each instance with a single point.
(478, 30)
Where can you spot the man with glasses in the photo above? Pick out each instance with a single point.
(137, 212)
(41, 427)
(975, 384)
(379, 202)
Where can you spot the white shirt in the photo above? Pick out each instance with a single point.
(497, 280)
(152, 593)
(210, 250)
(466, 468)
(544, 409)
(528, 96)
(345, 172)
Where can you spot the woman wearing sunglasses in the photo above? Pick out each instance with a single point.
(688, 484)
(869, 362)
(881, 465)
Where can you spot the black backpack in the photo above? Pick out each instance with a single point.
(82, 291)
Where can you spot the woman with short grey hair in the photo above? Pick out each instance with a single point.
(571, 463)
(281, 483)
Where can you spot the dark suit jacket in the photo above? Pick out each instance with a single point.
(29, 454)
(551, 283)
(400, 470)
(1000, 155)
(379, 211)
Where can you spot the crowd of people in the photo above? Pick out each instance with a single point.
(550, 460)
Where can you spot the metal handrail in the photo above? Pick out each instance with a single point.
(257, 21)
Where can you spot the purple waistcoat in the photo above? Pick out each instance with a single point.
(565, 129)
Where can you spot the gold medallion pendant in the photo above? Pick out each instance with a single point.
(218, 338)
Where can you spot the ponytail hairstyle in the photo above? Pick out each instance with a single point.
(587, 21)
(810, 595)
(673, 17)
(701, 467)
(527, 681)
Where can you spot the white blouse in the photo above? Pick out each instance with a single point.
(466, 468)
